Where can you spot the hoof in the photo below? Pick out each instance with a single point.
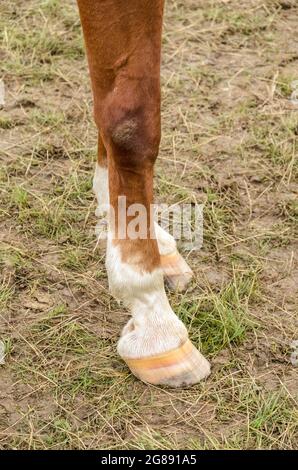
(176, 271)
(179, 367)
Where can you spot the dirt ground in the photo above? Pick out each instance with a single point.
(229, 141)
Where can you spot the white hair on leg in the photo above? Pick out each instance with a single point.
(101, 189)
(156, 328)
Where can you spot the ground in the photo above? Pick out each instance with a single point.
(230, 142)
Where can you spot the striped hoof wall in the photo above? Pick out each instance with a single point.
(179, 367)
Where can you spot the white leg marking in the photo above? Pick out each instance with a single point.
(154, 327)
(101, 189)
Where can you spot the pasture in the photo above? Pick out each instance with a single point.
(229, 141)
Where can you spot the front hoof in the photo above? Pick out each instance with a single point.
(179, 367)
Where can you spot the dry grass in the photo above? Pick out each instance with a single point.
(230, 142)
